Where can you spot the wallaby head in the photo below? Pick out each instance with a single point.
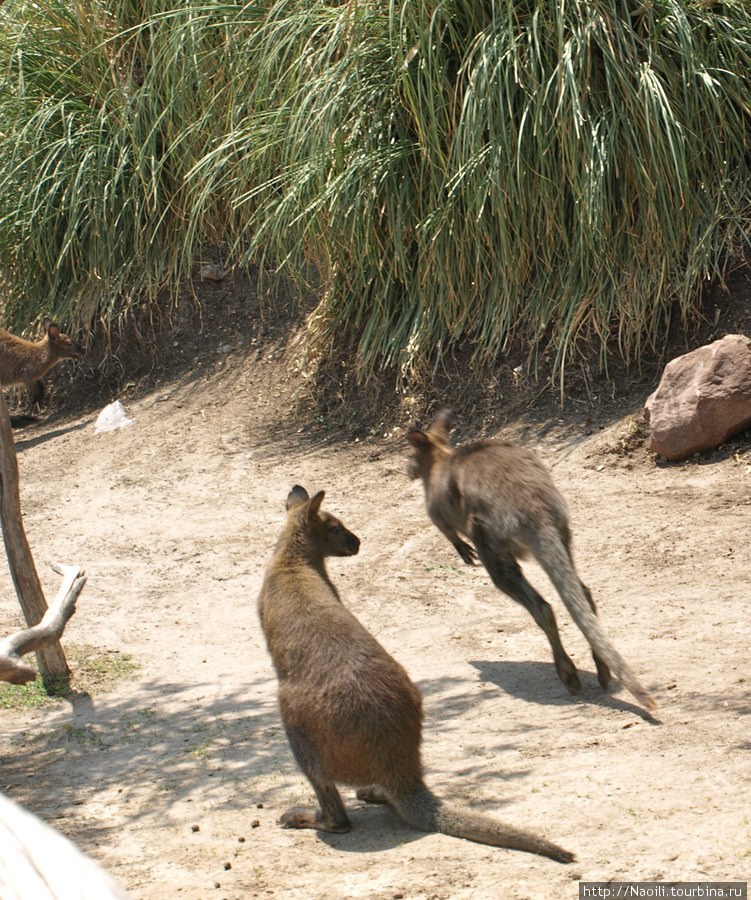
(431, 446)
(323, 533)
(62, 346)
(25, 363)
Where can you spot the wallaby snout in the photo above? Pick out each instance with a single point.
(341, 541)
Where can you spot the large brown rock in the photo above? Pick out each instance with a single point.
(703, 398)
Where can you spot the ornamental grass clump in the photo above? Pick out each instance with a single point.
(546, 171)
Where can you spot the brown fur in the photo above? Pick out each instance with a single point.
(24, 363)
(350, 711)
(503, 499)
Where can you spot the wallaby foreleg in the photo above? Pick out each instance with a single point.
(332, 816)
(508, 577)
(465, 550)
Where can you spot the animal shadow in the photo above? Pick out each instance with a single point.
(26, 444)
(536, 682)
(375, 828)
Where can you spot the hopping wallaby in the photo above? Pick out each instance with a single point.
(350, 711)
(503, 499)
(24, 363)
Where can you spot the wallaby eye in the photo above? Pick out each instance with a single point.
(335, 529)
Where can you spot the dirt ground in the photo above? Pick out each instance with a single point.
(174, 779)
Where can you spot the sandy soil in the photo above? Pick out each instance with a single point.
(174, 780)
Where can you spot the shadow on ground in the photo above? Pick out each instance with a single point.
(233, 748)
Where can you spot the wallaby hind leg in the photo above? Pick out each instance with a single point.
(332, 816)
(603, 670)
(508, 577)
(555, 558)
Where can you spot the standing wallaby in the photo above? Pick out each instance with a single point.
(350, 711)
(24, 363)
(503, 499)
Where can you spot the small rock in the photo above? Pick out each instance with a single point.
(227, 866)
(195, 827)
(210, 272)
(255, 823)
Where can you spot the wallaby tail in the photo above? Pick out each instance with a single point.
(556, 561)
(423, 810)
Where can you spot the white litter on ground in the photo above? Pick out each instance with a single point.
(111, 418)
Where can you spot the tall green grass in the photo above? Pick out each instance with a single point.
(104, 107)
(457, 171)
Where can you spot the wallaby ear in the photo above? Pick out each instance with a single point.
(444, 421)
(46, 323)
(53, 332)
(296, 496)
(418, 438)
(315, 504)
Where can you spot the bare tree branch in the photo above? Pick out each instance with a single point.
(50, 629)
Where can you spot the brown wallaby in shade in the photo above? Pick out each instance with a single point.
(503, 499)
(24, 363)
(350, 711)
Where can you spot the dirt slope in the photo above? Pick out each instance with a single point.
(174, 780)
